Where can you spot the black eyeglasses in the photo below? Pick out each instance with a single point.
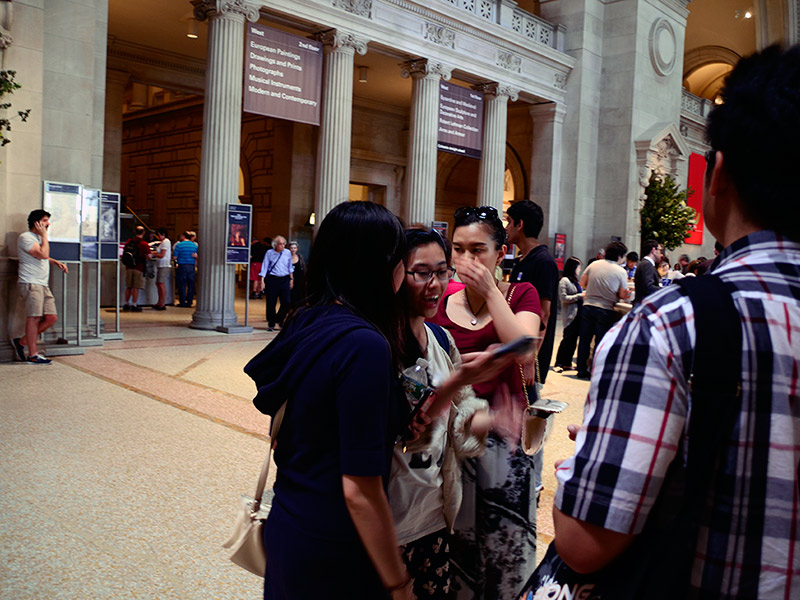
(484, 213)
(444, 274)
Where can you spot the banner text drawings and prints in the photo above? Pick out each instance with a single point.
(460, 120)
(282, 75)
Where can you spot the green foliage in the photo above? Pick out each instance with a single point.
(665, 216)
(8, 86)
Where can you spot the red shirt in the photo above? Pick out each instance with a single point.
(525, 298)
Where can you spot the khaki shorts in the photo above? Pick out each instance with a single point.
(134, 279)
(39, 300)
(163, 274)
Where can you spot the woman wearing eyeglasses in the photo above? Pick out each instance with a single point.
(494, 547)
(425, 484)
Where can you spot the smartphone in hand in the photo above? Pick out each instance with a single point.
(522, 345)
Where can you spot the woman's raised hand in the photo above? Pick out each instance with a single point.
(475, 276)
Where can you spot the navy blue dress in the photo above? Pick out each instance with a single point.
(342, 417)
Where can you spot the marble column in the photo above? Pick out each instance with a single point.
(493, 158)
(420, 188)
(545, 175)
(333, 149)
(219, 166)
(116, 82)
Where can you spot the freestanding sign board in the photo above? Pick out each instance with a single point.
(282, 75)
(90, 219)
(560, 249)
(237, 250)
(460, 120)
(64, 203)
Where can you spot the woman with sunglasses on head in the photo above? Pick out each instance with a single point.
(330, 532)
(425, 485)
(494, 547)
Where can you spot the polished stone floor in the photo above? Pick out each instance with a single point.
(121, 468)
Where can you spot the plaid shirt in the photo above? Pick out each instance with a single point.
(635, 424)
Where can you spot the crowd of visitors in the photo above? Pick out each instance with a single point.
(386, 501)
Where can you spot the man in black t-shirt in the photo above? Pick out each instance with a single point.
(537, 267)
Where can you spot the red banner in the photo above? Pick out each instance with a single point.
(560, 250)
(697, 173)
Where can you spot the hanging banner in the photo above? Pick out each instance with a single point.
(238, 236)
(697, 172)
(560, 250)
(282, 75)
(460, 120)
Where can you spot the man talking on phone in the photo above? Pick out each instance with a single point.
(34, 286)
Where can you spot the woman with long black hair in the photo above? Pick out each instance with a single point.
(330, 532)
(571, 295)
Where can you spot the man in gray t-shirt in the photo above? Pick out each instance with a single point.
(34, 286)
(605, 282)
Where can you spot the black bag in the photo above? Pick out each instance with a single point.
(658, 565)
(130, 253)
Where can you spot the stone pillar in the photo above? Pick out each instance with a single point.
(116, 81)
(333, 150)
(219, 166)
(548, 124)
(493, 158)
(420, 186)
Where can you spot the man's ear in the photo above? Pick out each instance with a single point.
(720, 180)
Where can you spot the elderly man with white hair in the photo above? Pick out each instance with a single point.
(276, 271)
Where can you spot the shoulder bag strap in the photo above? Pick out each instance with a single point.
(262, 478)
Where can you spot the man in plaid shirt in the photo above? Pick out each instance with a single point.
(635, 420)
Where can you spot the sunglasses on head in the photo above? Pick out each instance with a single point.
(484, 213)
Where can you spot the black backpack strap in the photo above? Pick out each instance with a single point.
(441, 336)
(715, 394)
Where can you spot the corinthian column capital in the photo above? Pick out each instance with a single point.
(336, 39)
(204, 9)
(422, 67)
(497, 90)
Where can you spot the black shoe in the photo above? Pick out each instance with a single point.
(19, 349)
(253, 296)
(125, 308)
(38, 359)
(270, 328)
(136, 309)
(157, 307)
(584, 376)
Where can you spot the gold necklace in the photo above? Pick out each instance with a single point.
(474, 320)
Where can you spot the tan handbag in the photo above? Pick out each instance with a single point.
(246, 543)
(536, 421)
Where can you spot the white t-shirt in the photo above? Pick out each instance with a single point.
(164, 261)
(415, 486)
(605, 278)
(32, 269)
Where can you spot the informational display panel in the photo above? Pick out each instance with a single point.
(697, 170)
(282, 75)
(560, 249)
(238, 236)
(109, 226)
(64, 202)
(90, 220)
(460, 120)
(441, 227)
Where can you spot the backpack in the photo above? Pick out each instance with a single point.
(130, 253)
(441, 336)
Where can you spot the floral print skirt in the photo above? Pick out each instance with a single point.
(493, 551)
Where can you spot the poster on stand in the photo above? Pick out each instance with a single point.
(282, 75)
(238, 234)
(560, 250)
(460, 120)
(109, 215)
(64, 202)
(90, 219)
